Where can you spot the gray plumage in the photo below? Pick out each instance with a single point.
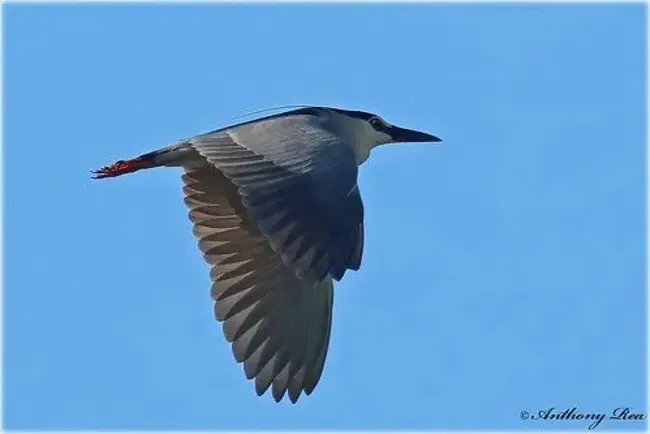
(278, 216)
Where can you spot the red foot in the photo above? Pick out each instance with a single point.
(120, 168)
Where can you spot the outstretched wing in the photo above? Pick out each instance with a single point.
(299, 185)
(278, 324)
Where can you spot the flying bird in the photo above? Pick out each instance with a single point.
(278, 216)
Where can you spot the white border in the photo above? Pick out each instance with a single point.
(647, 156)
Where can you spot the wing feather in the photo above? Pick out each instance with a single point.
(278, 323)
(298, 184)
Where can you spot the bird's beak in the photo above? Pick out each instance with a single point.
(400, 135)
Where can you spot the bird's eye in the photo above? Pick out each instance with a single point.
(376, 123)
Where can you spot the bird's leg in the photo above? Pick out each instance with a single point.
(175, 155)
(123, 167)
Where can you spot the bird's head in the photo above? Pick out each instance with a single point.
(365, 131)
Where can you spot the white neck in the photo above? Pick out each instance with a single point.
(358, 134)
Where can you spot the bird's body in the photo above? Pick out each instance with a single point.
(278, 216)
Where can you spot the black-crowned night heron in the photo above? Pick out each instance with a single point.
(278, 216)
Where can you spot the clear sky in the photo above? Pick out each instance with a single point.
(503, 269)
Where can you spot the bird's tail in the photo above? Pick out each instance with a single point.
(169, 156)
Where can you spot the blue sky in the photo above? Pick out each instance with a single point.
(503, 270)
